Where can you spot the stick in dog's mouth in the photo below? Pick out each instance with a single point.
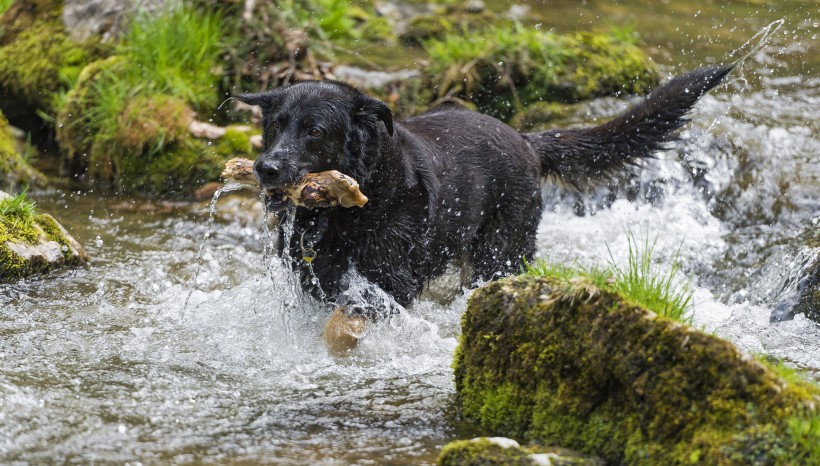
(315, 190)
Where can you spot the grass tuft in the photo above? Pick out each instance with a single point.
(174, 53)
(19, 206)
(651, 286)
(641, 281)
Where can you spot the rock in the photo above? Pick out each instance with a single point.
(33, 244)
(501, 451)
(502, 69)
(150, 148)
(105, 18)
(555, 362)
(371, 79)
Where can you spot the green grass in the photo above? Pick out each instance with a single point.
(19, 207)
(174, 53)
(4, 5)
(650, 285)
(641, 280)
(130, 108)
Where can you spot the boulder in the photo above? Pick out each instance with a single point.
(501, 451)
(502, 69)
(566, 363)
(33, 243)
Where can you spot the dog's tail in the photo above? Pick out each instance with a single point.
(584, 155)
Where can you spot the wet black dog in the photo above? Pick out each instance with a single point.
(448, 185)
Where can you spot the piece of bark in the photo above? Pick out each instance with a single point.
(315, 190)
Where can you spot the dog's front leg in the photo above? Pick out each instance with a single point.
(343, 330)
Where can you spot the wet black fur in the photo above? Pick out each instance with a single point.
(450, 184)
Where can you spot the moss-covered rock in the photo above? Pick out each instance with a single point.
(500, 451)
(137, 142)
(14, 168)
(502, 69)
(37, 58)
(32, 243)
(540, 115)
(546, 361)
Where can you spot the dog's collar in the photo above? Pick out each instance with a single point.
(308, 253)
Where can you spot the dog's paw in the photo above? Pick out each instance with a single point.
(342, 331)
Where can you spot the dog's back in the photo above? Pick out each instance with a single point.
(450, 184)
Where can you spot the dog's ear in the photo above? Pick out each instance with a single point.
(262, 99)
(368, 108)
(252, 99)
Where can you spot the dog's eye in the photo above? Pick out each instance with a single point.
(315, 132)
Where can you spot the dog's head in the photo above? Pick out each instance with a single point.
(311, 127)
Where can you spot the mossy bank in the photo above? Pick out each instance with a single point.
(31, 242)
(565, 362)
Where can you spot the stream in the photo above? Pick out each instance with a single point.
(110, 365)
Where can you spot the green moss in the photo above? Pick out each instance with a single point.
(237, 141)
(14, 168)
(40, 61)
(540, 115)
(502, 69)
(588, 370)
(21, 224)
(125, 122)
(482, 452)
(426, 27)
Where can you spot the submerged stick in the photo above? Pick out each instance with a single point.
(315, 190)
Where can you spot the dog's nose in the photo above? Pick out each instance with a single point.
(267, 171)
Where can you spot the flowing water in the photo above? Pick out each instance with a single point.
(170, 348)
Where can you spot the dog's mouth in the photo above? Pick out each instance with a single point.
(276, 199)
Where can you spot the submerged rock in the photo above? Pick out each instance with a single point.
(566, 363)
(33, 243)
(501, 451)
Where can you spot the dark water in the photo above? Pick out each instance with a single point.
(109, 365)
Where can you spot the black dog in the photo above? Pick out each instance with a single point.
(448, 185)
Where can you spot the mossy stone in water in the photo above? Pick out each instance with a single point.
(33, 243)
(500, 451)
(588, 370)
